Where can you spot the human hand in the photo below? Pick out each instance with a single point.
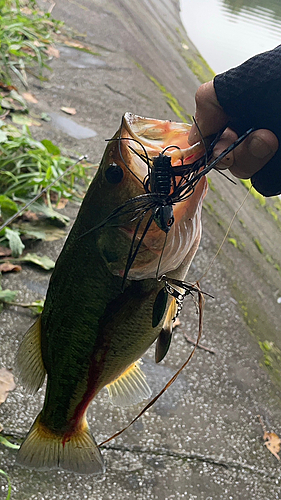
(250, 156)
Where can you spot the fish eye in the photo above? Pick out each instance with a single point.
(114, 173)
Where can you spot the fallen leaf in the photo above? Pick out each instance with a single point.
(29, 216)
(69, 111)
(37, 43)
(15, 243)
(8, 267)
(20, 119)
(52, 52)
(62, 203)
(2, 117)
(10, 103)
(45, 262)
(5, 252)
(26, 11)
(272, 442)
(29, 97)
(8, 88)
(7, 296)
(6, 383)
(45, 117)
(3, 136)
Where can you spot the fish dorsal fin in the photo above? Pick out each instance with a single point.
(130, 388)
(165, 336)
(29, 363)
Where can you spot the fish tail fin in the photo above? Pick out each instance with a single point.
(76, 452)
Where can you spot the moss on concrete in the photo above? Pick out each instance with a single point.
(170, 99)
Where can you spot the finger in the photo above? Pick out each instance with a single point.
(253, 153)
(227, 138)
(209, 115)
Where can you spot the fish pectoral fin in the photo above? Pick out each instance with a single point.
(29, 364)
(159, 307)
(130, 388)
(44, 449)
(165, 336)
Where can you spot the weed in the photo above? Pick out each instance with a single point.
(26, 167)
(9, 484)
(25, 35)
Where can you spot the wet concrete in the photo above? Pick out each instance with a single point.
(202, 440)
(70, 127)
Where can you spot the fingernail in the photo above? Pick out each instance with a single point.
(259, 148)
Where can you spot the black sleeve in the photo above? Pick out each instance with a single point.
(251, 95)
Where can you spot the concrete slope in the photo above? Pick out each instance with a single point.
(202, 439)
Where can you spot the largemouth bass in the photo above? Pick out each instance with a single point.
(92, 333)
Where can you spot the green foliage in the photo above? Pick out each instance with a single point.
(6, 296)
(25, 34)
(26, 167)
(9, 484)
(7, 443)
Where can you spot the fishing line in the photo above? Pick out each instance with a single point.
(201, 302)
(11, 219)
(225, 236)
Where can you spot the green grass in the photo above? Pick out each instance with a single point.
(26, 167)
(25, 35)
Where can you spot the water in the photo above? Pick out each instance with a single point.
(227, 32)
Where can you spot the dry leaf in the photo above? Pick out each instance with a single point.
(21, 119)
(62, 203)
(37, 43)
(5, 252)
(29, 97)
(272, 442)
(7, 88)
(26, 11)
(8, 267)
(6, 384)
(51, 51)
(69, 111)
(71, 43)
(28, 215)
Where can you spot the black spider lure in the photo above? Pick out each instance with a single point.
(162, 190)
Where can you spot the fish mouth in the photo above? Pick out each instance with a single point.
(143, 139)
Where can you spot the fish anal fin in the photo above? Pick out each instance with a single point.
(43, 450)
(165, 336)
(29, 363)
(130, 388)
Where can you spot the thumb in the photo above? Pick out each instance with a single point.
(209, 115)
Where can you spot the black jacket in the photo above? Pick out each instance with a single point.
(251, 95)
